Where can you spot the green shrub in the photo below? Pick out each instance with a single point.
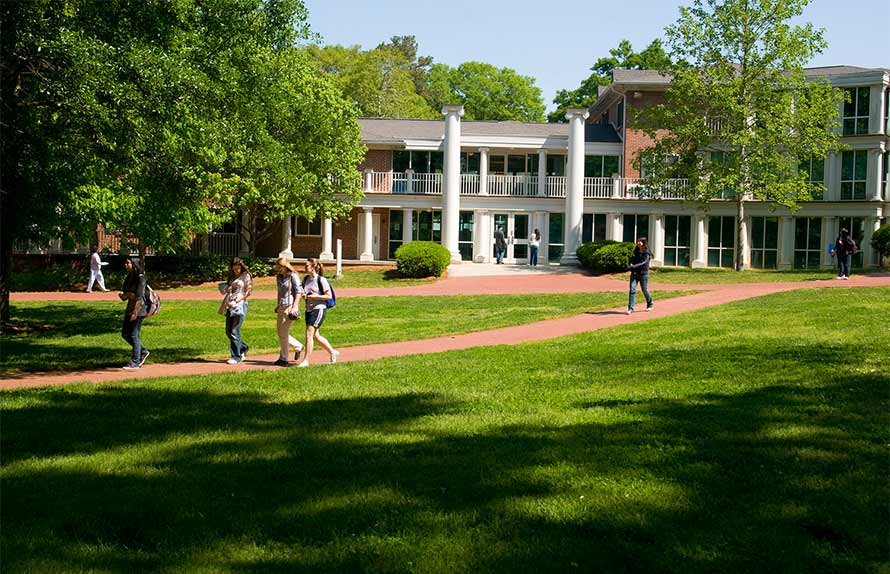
(421, 259)
(881, 240)
(612, 258)
(586, 251)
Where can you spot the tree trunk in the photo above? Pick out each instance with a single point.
(741, 235)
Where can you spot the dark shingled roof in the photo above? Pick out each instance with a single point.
(383, 131)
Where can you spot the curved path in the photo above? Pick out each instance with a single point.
(542, 330)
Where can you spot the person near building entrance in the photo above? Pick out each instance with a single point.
(96, 264)
(317, 292)
(534, 243)
(288, 309)
(844, 248)
(133, 292)
(639, 273)
(500, 245)
(234, 307)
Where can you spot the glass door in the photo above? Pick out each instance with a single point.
(519, 233)
(500, 220)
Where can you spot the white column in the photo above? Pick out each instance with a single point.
(829, 232)
(482, 236)
(451, 203)
(575, 189)
(832, 177)
(368, 235)
(656, 238)
(407, 226)
(869, 253)
(327, 240)
(786, 243)
(873, 177)
(369, 180)
(876, 110)
(483, 171)
(613, 226)
(544, 250)
(699, 241)
(542, 173)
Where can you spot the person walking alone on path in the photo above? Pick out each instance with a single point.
(133, 292)
(288, 310)
(96, 264)
(844, 248)
(534, 244)
(234, 307)
(639, 273)
(500, 245)
(317, 292)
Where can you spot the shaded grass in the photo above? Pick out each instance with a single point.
(687, 276)
(750, 437)
(84, 335)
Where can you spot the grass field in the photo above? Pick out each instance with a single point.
(687, 276)
(83, 335)
(746, 438)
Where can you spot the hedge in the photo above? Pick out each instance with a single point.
(586, 251)
(605, 256)
(880, 240)
(420, 259)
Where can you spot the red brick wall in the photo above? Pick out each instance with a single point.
(377, 160)
(635, 140)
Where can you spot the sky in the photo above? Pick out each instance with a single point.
(557, 42)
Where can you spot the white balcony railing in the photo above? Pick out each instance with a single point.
(469, 184)
(671, 189)
(512, 185)
(597, 187)
(556, 186)
(423, 183)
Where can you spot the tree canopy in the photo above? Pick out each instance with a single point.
(158, 119)
(486, 92)
(623, 57)
(740, 92)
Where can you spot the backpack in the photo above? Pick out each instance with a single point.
(852, 248)
(330, 302)
(153, 302)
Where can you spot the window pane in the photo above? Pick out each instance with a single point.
(757, 227)
(727, 258)
(401, 160)
(642, 226)
(465, 231)
(772, 233)
(393, 246)
(611, 165)
(861, 162)
(862, 102)
(769, 260)
(847, 190)
(849, 102)
(554, 252)
(728, 232)
(847, 166)
(757, 259)
(670, 230)
(437, 162)
(713, 232)
(593, 166)
(815, 234)
(496, 164)
(683, 257)
(713, 257)
(437, 226)
(859, 190)
(520, 226)
(812, 260)
(556, 165)
(555, 228)
(670, 256)
(862, 126)
(800, 233)
(800, 259)
(586, 227)
(516, 164)
(599, 227)
(684, 223)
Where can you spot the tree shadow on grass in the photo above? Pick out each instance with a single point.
(766, 480)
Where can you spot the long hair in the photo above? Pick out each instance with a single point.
(645, 243)
(242, 269)
(316, 266)
(132, 278)
(283, 263)
(537, 234)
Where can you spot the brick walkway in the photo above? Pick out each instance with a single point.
(712, 295)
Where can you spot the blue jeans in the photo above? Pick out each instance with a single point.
(130, 334)
(843, 265)
(643, 280)
(237, 347)
(499, 254)
(533, 258)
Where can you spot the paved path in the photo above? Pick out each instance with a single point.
(543, 330)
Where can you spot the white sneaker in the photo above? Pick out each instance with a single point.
(629, 311)
(304, 364)
(232, 361)
(334, 356)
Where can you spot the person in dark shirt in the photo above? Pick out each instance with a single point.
(500, 245)
(133, 292)
(639, 273)
(844, 248)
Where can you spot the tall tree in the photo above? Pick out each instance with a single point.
(624, 57)
(155, 118)
(486, 92)
(417, 66)
(379, 81)
(743, 93)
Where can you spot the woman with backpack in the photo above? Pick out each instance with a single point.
(844, 248)
(639, 273)
(134, 293)
(234, 307)
(288, 309)
(317, 292)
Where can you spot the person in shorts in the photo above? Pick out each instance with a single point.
(317, 292)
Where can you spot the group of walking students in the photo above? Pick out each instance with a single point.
(314, 289)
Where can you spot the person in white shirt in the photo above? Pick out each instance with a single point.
(534, 244)
(96, 264)
(316, 292)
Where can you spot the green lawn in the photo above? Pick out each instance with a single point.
(85, 335)
(352, 277)
(687, 276)
(746, 438)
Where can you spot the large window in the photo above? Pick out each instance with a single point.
(304, 227)
(635, 226)
(807, 242)
(593, 227)
(465, 236)
(555, 237)
(764, 242)
(814, 168)
(427, 226)
(854, 170)
(419, 161)
(856, 227)
(396, 222)
(721, 241)
(856, 111)
(469, 162)
(677, 234)
(601, 165)
(556, 164)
